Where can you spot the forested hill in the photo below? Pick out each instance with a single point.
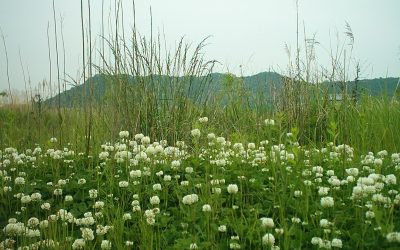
(102, 86)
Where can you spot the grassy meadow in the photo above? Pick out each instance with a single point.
(169, 163)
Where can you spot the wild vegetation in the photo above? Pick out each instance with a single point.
(155, 151)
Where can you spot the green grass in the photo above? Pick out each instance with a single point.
(281, 181)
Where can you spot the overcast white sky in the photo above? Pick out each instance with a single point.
(251, 33)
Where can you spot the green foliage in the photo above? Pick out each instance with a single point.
(274, 180)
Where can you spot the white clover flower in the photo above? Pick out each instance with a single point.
(44, 224)
(123, 184)
(104, 155)
(316, 241)
(378, 162)
(53, 217)
(145, 140)
(58, 192)
(102, 230)
(211, 136)
(268, 239)
(337, 243)
(93, 193)
(382, 153)
(267, 222)
(390, 179)
(36, 197)
(279, 231)
(68, 198)
(395, 158)
(318, 169)
(296, 220)
(123, 134)
(78, 244)
(203, 119)
(232, 188)
(129, 243)
(330, 173)
(31, 233)
(221, 140)
(189, 170)
(88, 215)
(154, 200)
(334, 181)
(193, 246)
(322, 191)
(327, 202)
(33, 222)
(298, 193)
(135, 203)
(81, 181)
(393, 237)
(220, 162)
(157, 187)
(45, 206)
(87, 234)
(251, 145)
(290, 156)
(167, 178)
(195, 132)
(150, 220)
(135, 173)
(350, 179)
(222, 228)
(234, 245)
(190, 199)
(269, 122)
(184, 183)
(62, 182)
(307, 182)
(369, 215)
(26, 199)
(138, 137)
(352, 171)
(175, 164)
(127, 216)
(206, 208)
(97, 205)
(19, 181)
(105, 244)
(150, 150)
(136, 209)
(216, 190)
(324, 223)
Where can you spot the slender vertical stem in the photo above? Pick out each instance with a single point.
(63, 48)
(58, 77)
(89, 132)
(23, 74)
(84, 76)
(8, 74)
(49, 50)
(102, 31)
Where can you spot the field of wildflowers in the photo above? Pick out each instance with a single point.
(207, 193)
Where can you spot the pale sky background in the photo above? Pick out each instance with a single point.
(251, 33)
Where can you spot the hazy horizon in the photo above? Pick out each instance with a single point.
(245, 36)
